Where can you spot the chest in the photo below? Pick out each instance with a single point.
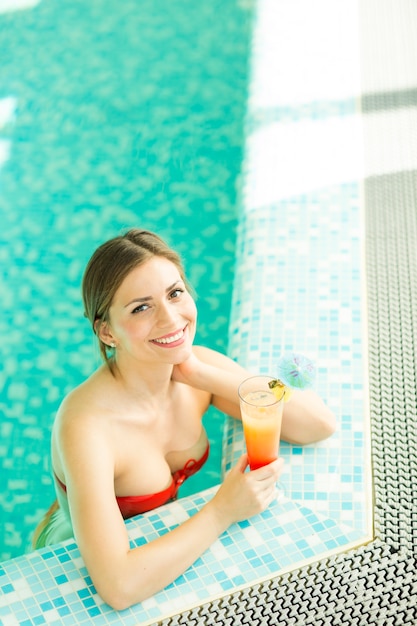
(147, 455)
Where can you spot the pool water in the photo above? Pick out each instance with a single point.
(112, 115)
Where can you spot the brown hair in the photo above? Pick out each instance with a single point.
(109, 266)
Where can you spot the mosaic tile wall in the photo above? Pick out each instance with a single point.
(52, 586)
(300, 275)
(304, 293)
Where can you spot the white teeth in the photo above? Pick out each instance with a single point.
(170, 339)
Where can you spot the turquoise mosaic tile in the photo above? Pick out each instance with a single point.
(52, 585)
(300, 274)
(112, 115)
(309, 288)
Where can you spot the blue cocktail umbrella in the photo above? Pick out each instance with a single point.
(296, 371)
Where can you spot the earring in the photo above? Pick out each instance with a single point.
(112, 345)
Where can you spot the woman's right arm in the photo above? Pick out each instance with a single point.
(125, 576)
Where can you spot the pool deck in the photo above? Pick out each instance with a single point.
(319, 251)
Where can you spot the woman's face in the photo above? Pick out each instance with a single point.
(152, 314)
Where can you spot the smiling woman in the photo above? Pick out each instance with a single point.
(110, 283)
(164, 320)
(135, 425)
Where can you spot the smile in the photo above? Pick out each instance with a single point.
(170, 338)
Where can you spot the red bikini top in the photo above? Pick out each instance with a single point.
(135, 505)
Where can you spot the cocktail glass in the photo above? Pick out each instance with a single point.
(261, 411)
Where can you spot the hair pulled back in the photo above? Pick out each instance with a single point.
(109, 266)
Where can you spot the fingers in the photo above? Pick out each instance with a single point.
(275, 467)
(272, 470)
(244, 494)
(242, 463)
(264, 481)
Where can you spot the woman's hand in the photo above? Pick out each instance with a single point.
(244, 494)
(188, 371)
(214, 373)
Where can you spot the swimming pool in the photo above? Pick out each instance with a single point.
(369, 581)
(110, 117)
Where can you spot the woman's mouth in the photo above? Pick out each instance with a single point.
(171, 340)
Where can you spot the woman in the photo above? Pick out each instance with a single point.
(126, 438)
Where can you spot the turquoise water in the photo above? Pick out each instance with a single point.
(112, 115)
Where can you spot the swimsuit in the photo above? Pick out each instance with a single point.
(135, 505)
(56, 525)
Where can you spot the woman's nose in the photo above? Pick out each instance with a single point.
(166, 315)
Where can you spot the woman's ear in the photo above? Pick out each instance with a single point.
(103, 332)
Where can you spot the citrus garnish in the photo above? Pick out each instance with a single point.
(280, 390)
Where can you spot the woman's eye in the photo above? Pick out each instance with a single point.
(176, 293)
(141, 308)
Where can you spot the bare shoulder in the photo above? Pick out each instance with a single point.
(95, 393)
(213, 357)
(80, 425)
(78, 407)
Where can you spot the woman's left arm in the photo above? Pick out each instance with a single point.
(306, 418)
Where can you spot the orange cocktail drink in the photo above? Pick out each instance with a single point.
(261, 413)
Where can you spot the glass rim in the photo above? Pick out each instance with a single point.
(262, 376)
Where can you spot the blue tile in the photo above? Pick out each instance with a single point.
(94, 612)
(249, 554)
(244, 524)
(63, 558)
(226, 540)
(62, 578)
(140, 541)
(308, 553)
(63, 611)
(227, 585)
